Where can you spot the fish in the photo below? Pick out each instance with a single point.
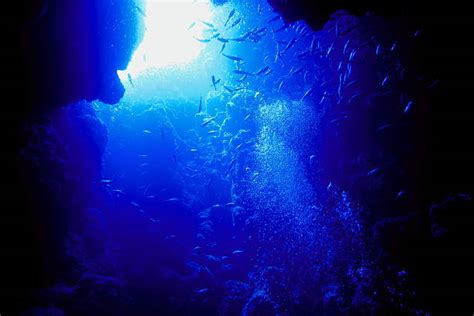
(257, 31)
(105, 181)
(303, 54)
(259, 8)
(330, 48)
(323, 99)
(238, 39)
(350, 83)
(353, 97)
(130, 80)
(312, 158)
(352, 55)
(289, 45)
(202, 291)
(408, 107)
(208, 120)
(140, 10)
(394, 46)
(242, 72)
(385, 81)
(296, 71)
(118, 192)
(208, 24)
(339, 89)
(211, 30)
(346, 45)
(193, 150)
(191, 26)
(215, 82)
(298, 27)
(146, 131)
(173, 199)
(348, 72)
(348, 30)
(373, 172)
(231, 14)
(265, 70)
(307, 93)
(242, 78)
(234, 58)
(284, 27)
(200, 105)
(378, 49)
(306, 77)
(222, 48)
(400, 195)
(275, 18)
(236, 22)
(313, 41)
(210, 182)
(228, 89)
(277, 53)
(232, 163)
(222, 40)
(232, 90)
(383, 127)
(202, 40)
(281, 85)
(237, 252)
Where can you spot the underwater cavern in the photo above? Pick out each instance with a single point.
(237, 157)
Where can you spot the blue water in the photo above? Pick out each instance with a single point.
(230, 208)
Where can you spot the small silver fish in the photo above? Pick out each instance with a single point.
(408, 107)
(373, 172)
(130, 80)
(208, 24)
(231, 14)
(234, 58)
(236, 22)
(202, 40)
(208, 120)
(242, 72)
(191, 26)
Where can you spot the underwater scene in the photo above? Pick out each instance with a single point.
(252, 165)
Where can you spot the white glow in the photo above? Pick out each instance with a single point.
(167, 41)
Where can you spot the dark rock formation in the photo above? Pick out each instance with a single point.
(74, 49)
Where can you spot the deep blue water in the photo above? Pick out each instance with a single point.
(251, 196)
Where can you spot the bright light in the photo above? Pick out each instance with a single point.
(170, 37)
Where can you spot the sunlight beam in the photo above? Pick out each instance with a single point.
(170, 35)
